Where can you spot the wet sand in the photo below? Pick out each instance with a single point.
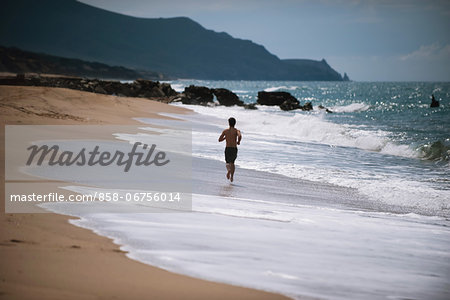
(45, 257)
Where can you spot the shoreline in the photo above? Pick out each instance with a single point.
(45, 256)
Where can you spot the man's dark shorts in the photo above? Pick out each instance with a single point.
(230, 154)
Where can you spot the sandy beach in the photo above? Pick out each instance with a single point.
(43, 256)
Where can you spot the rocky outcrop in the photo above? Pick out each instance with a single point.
(283, 99)
(274, 98)
(324, 108)
(290, 104)
(168, 90)
(199, 95)
(227, 97)
(345, 77)
(149, 89)
(307, 106)
(139, 88)
(434, 102)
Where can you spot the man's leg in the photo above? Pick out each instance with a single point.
(229, 170)
(232, 168)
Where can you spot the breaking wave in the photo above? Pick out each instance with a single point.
(311, 128)
(435, 151)
(354, 107)
(279, 88)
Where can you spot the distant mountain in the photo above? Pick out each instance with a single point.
(18, 61)
(178, 47)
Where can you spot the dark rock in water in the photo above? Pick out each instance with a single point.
(283, 99)
(227, 97)
(345, 78)
(290, 104)
(274, 98)
(250, 106)
(434, 102)
(307, 106)
(326, 109)
(199, 95)
(199, 92)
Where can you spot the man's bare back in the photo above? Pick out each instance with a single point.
(233, 138)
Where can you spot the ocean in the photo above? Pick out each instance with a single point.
(353, 204)
(382, 139)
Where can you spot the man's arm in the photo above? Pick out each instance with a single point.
(239, 137)
(222, 136)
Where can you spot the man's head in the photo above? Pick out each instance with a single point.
(232, 122)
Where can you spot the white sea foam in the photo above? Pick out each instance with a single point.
(354, 107)
(302, 127)
(286, 248)
(279, 88)
(179, 87)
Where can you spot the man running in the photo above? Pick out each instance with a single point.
(233, 137)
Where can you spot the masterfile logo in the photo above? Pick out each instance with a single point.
(103, 158)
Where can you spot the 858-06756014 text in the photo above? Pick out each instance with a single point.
(98, 196)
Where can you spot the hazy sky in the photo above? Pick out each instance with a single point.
(403, 40)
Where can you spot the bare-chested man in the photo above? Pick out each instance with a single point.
(233, 138)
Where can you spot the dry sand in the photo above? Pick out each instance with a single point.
(44, 257)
